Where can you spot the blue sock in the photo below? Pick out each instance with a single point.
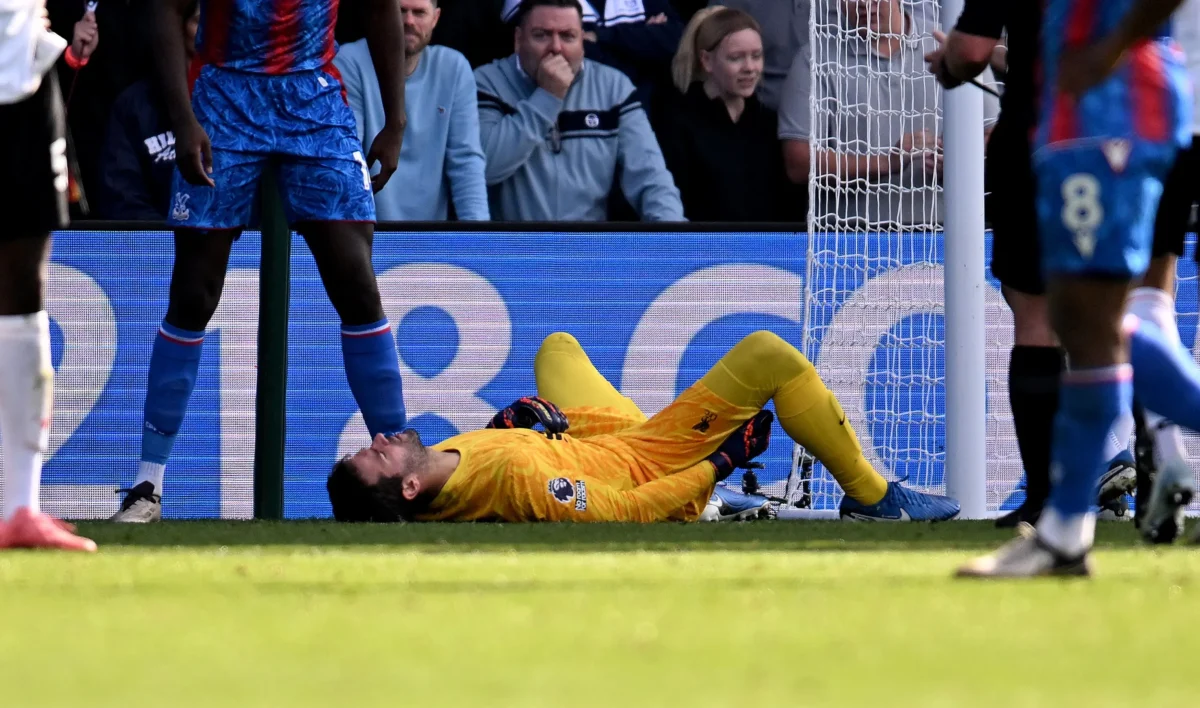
(1166, 379)
(173, 366)
(1090, 402)
(373, 371)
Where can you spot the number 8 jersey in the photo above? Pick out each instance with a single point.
(1100, 158)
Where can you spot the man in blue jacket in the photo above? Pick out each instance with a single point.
(561, 131)
(441, 159)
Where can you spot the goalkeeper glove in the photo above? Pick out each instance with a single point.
(527, 412)
(746, 443)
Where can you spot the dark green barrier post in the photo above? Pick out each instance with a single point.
(270, 426)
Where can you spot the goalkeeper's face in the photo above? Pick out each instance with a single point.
(397, 460)
(383, 482)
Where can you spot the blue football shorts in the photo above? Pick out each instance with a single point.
(1096, 203)
(299, 124)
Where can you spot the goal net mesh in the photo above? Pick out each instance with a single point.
(874, 256)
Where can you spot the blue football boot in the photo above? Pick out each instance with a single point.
(900, 504)
(731, 505)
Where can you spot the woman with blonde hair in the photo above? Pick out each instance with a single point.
(719, 141)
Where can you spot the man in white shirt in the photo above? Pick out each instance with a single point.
(33, 202)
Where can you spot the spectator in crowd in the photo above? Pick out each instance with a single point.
(138, 157)
(110, 50)
(637, 37)
(879, 141)
(441, 158)
(559, 130)
(784, 26)
(718, 139)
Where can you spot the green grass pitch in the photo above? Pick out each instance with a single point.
(769, 613)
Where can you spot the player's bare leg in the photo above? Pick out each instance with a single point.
(197, 279)
(342, 250)
(26, 396)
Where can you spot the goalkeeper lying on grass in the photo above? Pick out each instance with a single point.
(617, 465)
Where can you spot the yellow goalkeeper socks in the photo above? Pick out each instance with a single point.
(761, 367)
(812, 416)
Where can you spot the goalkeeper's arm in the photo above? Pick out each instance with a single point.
(585, 499)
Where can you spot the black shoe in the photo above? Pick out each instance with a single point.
(1029, 512)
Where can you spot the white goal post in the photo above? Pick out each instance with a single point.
(966, 393)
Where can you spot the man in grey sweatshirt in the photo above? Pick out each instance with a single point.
(560, 132)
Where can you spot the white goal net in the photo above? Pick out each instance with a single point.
(874, 286)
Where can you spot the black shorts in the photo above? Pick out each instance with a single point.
(1012, 209)
(1181, 191)
(33, 198)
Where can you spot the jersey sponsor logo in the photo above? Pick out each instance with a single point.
(580, 495)
(705, 420)
(161, 147)
(561, 489)
(180, 211)
(1116, 151)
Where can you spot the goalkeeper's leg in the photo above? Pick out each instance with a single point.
(566, 377)
(760, 368)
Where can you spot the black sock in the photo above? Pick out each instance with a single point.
(1033, 381)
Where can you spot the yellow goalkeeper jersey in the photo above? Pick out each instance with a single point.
(521, 475)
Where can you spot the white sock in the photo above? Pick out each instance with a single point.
(1157, 307)
(153, 473)
(26, 395)
(1071, 536)
(1119, 436)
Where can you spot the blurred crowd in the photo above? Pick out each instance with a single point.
(571, 110)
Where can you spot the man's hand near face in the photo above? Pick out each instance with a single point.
(555, 75)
